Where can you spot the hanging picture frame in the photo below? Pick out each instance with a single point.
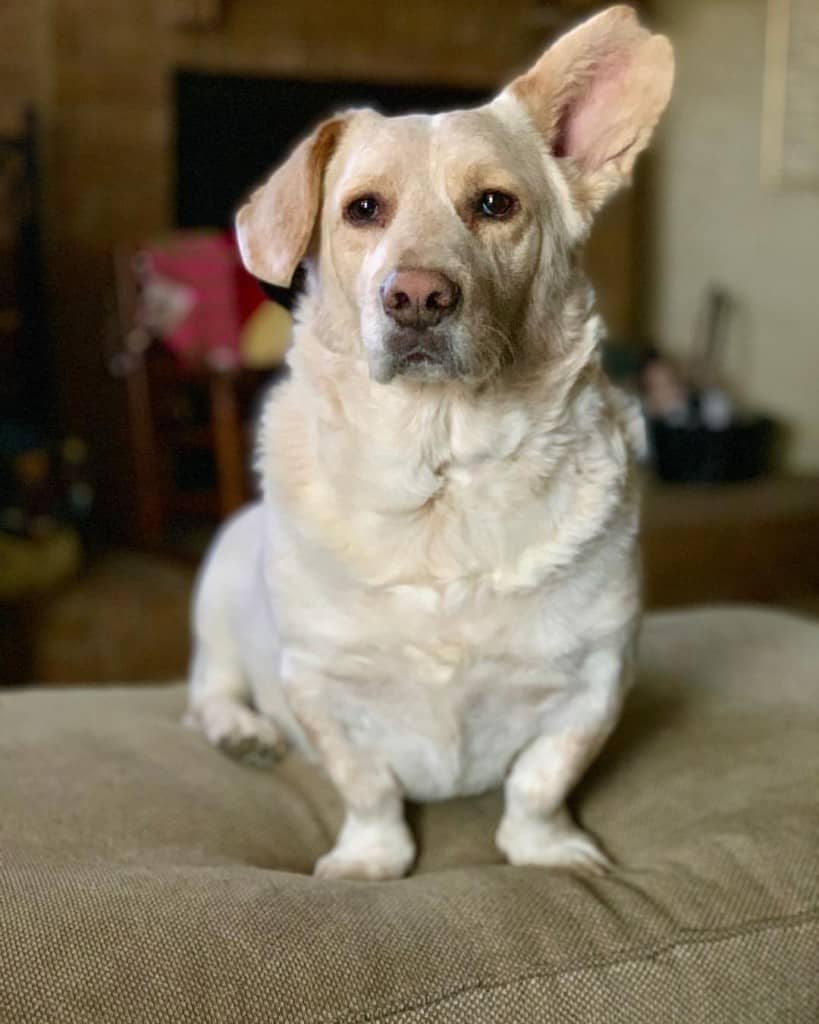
(790, 118)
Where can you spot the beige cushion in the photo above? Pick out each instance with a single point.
(144, 877)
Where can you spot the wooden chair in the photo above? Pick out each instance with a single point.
(156, 387)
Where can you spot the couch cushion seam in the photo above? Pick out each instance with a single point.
(701, 939)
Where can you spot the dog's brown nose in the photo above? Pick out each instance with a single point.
(419, 298)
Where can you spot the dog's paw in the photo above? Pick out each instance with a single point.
(376, 858)
(240, 732)
(550, 844)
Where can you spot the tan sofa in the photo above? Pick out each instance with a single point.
(146, 878)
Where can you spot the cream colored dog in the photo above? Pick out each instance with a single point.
(439, 589)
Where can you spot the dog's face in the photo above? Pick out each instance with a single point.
(445, 240)
(432, 229)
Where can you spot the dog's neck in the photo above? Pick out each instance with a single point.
(559, 340)
(351, 418)
(417, 464)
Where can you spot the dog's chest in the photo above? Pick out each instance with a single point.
(447, 697)
(436, 622)
(453, 728)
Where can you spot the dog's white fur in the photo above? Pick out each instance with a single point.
(439, 590)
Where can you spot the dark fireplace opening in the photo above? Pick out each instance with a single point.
(231, 130)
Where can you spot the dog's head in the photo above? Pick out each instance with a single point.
(444, 242)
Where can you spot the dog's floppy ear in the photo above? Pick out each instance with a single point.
(275, 225)
(596, 96)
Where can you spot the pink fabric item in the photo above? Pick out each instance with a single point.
(204, 265)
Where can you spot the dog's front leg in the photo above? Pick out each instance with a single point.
(536, 827)
(374, 842)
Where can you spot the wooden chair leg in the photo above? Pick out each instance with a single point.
(150, 511)
(227, 441)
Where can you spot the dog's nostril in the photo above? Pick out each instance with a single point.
(436, 301)
(399, 300)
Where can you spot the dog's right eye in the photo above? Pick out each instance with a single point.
(496, 205)
(363, 210)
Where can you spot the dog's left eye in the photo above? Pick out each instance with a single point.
(363, 210)
(495, 204)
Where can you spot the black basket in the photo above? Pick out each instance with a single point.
(741, 451)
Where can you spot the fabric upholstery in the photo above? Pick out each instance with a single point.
(144, 877)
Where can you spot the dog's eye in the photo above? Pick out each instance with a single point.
(363, 210)
(495, 204)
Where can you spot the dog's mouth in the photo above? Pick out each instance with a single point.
(420, 357)
(420, 354)
(424, 363)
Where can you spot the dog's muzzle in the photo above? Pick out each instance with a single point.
(418, 302)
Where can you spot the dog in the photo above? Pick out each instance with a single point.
(438, 592)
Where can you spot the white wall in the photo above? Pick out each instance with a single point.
(714, 220)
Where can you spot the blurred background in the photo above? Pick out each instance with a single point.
(133, 348)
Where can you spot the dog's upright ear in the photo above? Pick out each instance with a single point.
(595, 96)
(275, 225)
